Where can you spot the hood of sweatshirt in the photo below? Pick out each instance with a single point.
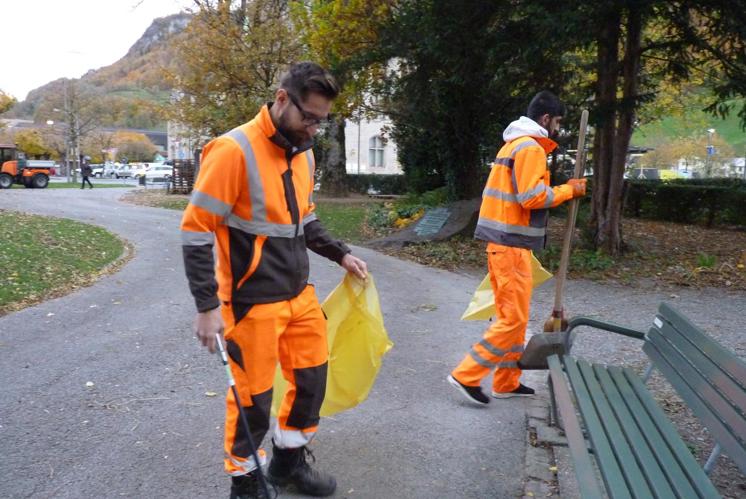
(524, 127)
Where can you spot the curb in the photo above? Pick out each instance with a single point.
(540, 463)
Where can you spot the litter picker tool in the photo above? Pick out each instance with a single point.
(242, 416)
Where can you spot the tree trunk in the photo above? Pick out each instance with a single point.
(332, 161)
(631, 68)
(603, 141)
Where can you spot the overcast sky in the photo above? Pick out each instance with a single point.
(43, 40)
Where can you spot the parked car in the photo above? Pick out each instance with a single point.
(110, 170)
(123, 171)
(139, 169)
(159, 171)
(97, 170)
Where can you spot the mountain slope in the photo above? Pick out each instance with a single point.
(127, 92)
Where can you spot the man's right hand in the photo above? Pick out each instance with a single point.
(207, 325)
(578, 186)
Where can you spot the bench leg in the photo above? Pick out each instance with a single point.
(713, 457)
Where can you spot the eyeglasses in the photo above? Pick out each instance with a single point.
(308, 119)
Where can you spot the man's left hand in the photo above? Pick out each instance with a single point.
(354, 265)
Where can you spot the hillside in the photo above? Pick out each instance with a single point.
(692, 122)
(126, 92)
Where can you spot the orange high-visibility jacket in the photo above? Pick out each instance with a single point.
(254, 199)
(517, 196)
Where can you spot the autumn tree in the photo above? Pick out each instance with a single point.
(55, 140)
(133, 146)
(231, 55)
(100, 141)
(344, 36)
(6, 101)
(77, 106)
(31, 142)
(644, 49)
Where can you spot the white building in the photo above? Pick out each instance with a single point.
(368, 149)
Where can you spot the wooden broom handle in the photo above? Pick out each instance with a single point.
(572, 213)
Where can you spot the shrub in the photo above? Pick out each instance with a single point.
(700, 201)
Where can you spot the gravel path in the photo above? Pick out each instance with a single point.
(146, 428)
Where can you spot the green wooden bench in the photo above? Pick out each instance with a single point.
(635, 446)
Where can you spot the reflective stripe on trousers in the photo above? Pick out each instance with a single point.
(293, 333)
(502, 343)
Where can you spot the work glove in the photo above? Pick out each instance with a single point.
(578, 187)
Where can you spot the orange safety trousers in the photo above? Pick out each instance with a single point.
(292, 332)
(502, 344)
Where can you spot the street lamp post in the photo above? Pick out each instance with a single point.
(710, 152)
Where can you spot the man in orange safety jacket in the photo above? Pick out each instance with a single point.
(512, 219)
(253, 200)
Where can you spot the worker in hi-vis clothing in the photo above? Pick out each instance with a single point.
(253, 202)
(512, 219)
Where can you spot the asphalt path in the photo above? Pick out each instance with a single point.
(147, 428)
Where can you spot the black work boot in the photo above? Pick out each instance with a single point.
(290, 467)
(248, 487)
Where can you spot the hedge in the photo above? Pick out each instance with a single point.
(385, 184)
(700, 201)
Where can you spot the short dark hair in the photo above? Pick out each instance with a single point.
(545, 102)
(303, 78)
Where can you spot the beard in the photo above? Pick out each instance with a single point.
(295, 137)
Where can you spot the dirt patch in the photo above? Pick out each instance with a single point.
(666, 253)
(157, 199)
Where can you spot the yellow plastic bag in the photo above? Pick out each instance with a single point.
(482, 304)
(357, 342)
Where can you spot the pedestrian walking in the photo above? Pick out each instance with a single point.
(253, 200)
(512, 220)
(85, 171)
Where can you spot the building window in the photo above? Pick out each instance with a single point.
(375, 151)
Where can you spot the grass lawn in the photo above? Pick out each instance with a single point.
(693, 122)
(343, 218)
(70, 185)
(44, 257)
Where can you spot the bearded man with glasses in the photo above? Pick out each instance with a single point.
(253, 200)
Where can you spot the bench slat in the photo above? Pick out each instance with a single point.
(675, 444)
(633, 475)
(687, 381)
(624, 456)
(727, 360)
(584, 470)
(650, 466)
(612, 473)
(718, 406)
(712, 370)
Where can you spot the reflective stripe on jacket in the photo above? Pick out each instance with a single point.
(254, 198)
(517, 196)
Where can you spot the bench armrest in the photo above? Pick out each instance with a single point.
(597, 324)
